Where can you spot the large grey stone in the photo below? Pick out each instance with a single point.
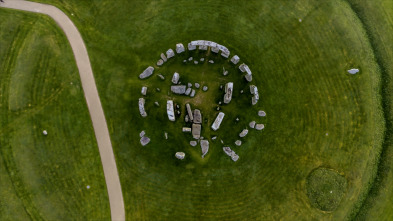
(192, 93)
(188, 91)
(217, 121)
(196, 131)
(205, 88)
(197, 116)
(189, 112)
(170, 110)
(144, 140)
(178, 89)
(235, 59)
(170, 53)
(186, 129)
(353, 71)
(163, 57)
(228, 92)
(193, 143)
(141, 105)
(252, 124)
(160, 62)
(191, 47)
(243, 133)
(180, 155)
(142, 133)
(179, 48)
(231, 153)
(147, 72)
(261, 113)
(197, 85)
(204, 147)
(259, 126)
(203, 47)
(175, 78)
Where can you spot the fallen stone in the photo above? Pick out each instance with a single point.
(254, 91)
(144, 140)
(243, 133)
(188, 91)
(248, 77)
(142, 133)
(192, 93)
(175, 78)
(157, 104)
(163, 57)
(217, 122)
(160, 62)
(170, 53)
(193, 143)
(259, 126)
(196, 131)
(211, 61)
(180, 155)
(353, 71)
(197, 116)
(238, 143)
(170, 111)
(261, 113)
(141, 104)
(231, 153)
(186, 129)
(44, 132)
(178, 89)
(197, 85)
(147, 72)
(228, 92)
(161, 76)
(144, 91)
(204, 147)
(252, 124)
(203, 47)
(205, 88)
(179, 48)
(189, 111)
(235, 59)
(191, 47)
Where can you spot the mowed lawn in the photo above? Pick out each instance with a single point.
(317, 114)
(45, 177)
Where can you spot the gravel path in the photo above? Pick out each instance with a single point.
(91, 95)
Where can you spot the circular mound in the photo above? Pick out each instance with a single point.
(325, 188)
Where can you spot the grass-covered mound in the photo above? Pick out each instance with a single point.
(45, 177)
(317, 113)
(325, 188)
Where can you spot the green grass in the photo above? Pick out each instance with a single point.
(45, 177)
(317, 114)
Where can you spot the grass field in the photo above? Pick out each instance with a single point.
(45, 177)
(317, 114)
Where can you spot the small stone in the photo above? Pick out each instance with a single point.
(184, 61)
(205, 88)
(161, 76)
(222, 141)
(147, 72)
(178, 89)
(196, 131)
(196, 62)
(261, 113)
(170, 53)
(219, 102)
(166, 135)
(160, 62)
(88, 187)
(177, 106)
(202, 59)
(214, 138)
(144, 141)
(300, 20)
(180, 155)
(144, 91)
(259, 126)
(178, 112)
(241, 91)
(192, 93)
(190, 58)
(252, 124)
(197, 116)
(158, 89)
(197, 85)
(142, 133)
(157, 104)
(211, 61)
(221, 87)
(353, 71)
(189, 85)
(238, 142)
(201, 138)
(186, 129)
(193, 143)
(237, 119)
(186, 118)
(243, 133)
(175, 78)
(45, 132)
(188, 91)
(218, 108)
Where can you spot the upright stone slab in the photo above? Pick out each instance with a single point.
(217, 121)
(204, 147)
(144, 91)
(179, 48)
(147, 72)
(141, 105)
(191, 47)
(197, 116)
(235, 59)
(170, 53)
(228, 92)
(203, 47)
(215, 49)
(178, 89)
(170, 110)
(196, 131)
(144, 140)
(189, 112)
(192, 93)
(175, 78)
(259, 126)
(163, 57)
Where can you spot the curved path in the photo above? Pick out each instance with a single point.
(91, 95)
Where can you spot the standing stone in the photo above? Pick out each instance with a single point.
(252, 124)
(193, 143)
(170, 111)
(243, 133)
(235, 59)
(188, 91)
(141, 105)
(238, 143)
(228, 92)
(143, 91)
(197, 116)
(179, 48)
(202, 47)
(197, 85)
(259, 126)
(261, 113)
(147, 72)
(196, 131)
(189, 85)
(178, 89)
(192, 93)
(191, 47)
(175, 78)
(180, 155)
(142, 133)
(215, 49)
(160, 62)
(170, 53)
(204, 147)
(205, 88)
(163, 57)
(189, 112)
(144, 140)
(217, 121)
